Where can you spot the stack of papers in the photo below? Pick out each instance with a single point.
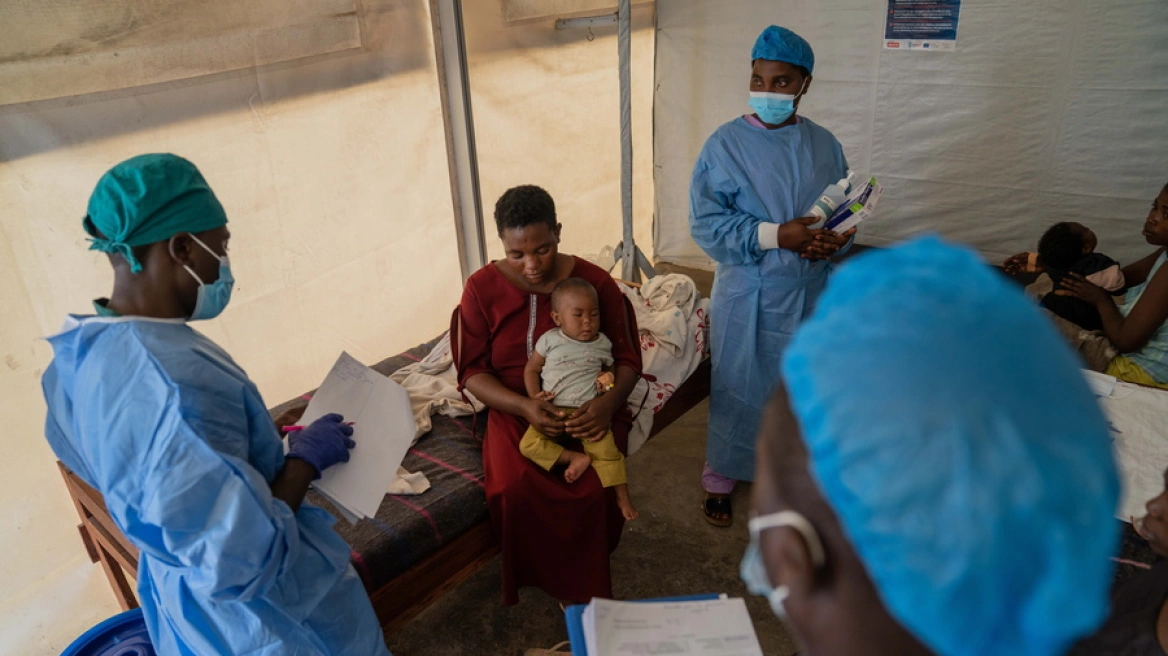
(383, 428)
(715, 627)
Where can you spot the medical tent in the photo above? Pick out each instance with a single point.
(358, 145)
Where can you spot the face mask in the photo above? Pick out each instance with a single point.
(752, 570)
(773, 108)
(213, 298)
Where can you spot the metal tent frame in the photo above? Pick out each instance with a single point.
(462, 158)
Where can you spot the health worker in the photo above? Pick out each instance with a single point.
(178, 440)
(940, 482)
(755, 178)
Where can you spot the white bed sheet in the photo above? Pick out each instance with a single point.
(1139, 419)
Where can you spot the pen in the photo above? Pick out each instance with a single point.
(290, 429)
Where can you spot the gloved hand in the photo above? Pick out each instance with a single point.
(323, 443)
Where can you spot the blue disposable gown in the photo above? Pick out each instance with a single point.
(171, 431)
(746, 175)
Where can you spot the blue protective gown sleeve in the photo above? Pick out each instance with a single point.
(187, 504)
(727, 234)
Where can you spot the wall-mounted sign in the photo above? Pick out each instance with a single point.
(922, 25)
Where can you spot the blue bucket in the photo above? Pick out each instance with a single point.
(120, 635)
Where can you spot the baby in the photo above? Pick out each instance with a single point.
(1069, 248)
(568, 366)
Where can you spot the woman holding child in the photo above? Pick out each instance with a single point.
(1137, 328)
(555, 535)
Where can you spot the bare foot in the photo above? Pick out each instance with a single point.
(578, 463)
(627, 509)
(624, 503)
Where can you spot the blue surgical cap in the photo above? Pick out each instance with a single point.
(780, 44)
(953, 433)
(147, 199)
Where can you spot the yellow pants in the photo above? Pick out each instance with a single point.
(1124, 369)
(606, 458)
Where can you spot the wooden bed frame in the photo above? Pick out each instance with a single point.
(396, 602)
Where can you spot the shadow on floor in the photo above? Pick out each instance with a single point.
(669, 550)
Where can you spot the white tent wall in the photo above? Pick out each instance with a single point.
(1050, 110)
(334, 175)
(547, 112)
(335, 180)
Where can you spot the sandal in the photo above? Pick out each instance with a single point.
(718, 505)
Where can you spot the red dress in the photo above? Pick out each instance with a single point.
(554, 535)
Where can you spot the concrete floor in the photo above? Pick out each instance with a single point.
(670, 550)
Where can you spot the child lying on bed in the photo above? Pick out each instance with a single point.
(568, 366)
(1070, 248)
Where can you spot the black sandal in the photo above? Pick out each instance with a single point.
(718, 505)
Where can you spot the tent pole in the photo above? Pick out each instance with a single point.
(631, 257)
(458, 120)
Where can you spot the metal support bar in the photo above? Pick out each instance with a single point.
(458, 120)
(586, 21)
(632, 259)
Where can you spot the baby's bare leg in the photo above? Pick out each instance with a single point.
(624, 502)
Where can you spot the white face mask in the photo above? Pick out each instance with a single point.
(752, 570)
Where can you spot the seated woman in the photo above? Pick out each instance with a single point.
(555, 535)
(1139, 328)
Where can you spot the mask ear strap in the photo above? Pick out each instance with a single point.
(194, 275)
(206, 247)
(778, 601)
(802, 527)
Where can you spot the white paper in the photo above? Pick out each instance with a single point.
(719, 627)
(383, 428)
(1101, 384)
(345, 513)
(588, 621)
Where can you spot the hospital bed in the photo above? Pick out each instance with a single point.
(417, 547)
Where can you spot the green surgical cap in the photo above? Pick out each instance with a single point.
(147, 199)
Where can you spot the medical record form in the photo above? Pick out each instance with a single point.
(383, 428)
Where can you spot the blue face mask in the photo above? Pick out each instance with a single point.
(773, 108)
(213, 298)
(753, 571)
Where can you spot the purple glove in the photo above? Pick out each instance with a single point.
(323, 443)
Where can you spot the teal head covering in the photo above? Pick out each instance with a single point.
(147, 199)
(952, 432)
(780, 44)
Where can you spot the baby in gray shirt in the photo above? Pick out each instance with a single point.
(569, 367)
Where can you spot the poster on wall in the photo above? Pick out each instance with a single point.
(922, 25)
